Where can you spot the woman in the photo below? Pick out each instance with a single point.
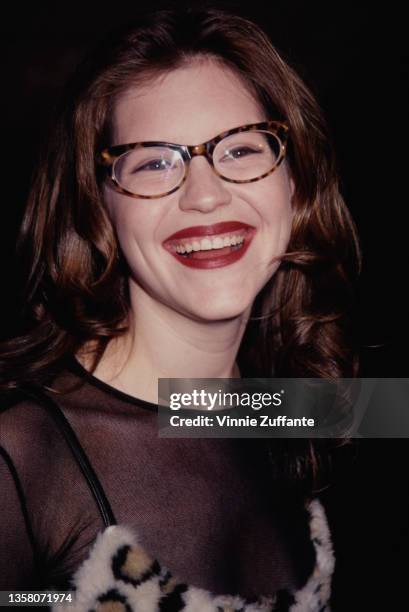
(185, 220)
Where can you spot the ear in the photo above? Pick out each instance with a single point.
(290, 178)
(292, 187)
(292, 191)
(107, 194)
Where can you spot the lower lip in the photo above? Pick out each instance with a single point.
(218, 261)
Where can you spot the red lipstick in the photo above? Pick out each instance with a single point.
(210, 258)
(209, 230)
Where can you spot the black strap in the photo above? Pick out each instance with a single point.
(78, 452)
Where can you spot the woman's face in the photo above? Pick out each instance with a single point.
(191, 105)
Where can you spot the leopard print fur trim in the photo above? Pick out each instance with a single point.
(120, 576)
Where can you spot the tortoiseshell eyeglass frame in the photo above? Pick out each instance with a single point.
(108, 156)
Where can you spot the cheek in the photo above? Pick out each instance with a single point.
(275, 207)
(133, 222)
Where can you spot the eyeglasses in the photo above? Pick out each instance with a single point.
(155, 169)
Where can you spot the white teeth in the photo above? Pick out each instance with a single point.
(206, 244)
(217, 243)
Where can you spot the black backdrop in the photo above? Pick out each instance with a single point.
(353, 56)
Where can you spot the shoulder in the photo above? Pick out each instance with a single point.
(27, 427)
(32, 406)
(18, 409)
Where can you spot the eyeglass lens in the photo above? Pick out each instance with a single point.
(243, 156)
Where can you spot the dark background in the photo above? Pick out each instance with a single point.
(353, 56)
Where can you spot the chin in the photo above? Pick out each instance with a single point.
(220, 311)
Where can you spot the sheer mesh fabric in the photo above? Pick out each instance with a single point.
(205, 508)
(55, 504)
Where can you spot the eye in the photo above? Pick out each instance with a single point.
(153, 165)
(239, 152)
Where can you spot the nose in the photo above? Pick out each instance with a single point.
(203, 190)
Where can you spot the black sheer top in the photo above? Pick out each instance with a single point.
(208, 509)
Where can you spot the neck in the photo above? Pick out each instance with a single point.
(163, 343)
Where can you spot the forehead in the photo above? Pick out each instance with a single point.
(187, 105)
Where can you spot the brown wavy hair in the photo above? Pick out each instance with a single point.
(76, 280)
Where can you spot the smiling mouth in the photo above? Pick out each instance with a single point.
(212, 253)
(210, 246)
